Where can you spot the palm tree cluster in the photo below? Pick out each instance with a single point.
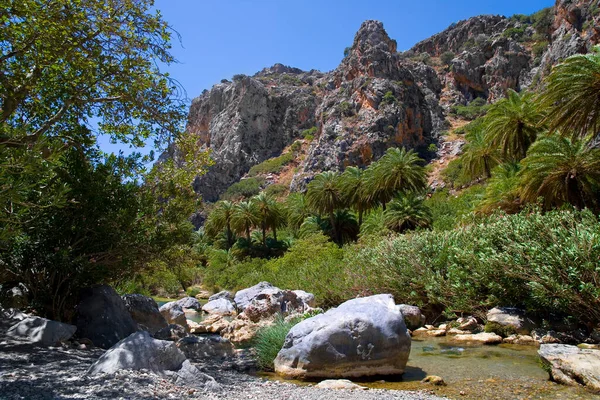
(541, 147)
(334, 204)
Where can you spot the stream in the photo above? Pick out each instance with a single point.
(474, 372)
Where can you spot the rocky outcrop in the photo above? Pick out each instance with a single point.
(378, 98)
(221, 295)
(245, 296)
(172, 332)
(144, 311)
(361, 337)
(571, 365)
(189, 303)
(102, 317)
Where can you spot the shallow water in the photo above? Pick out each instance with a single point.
(479, 372)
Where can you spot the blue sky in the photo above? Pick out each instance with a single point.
(220, 38)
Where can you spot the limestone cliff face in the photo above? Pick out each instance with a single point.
(378, 98)
(247, 121)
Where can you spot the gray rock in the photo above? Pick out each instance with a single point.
(245, 296)
(144, 311)
(203, 347)
(220, 306)
(467, 323)
(102, 317)
(265, 305)
(14, 296)
(190, 303)
(41, 331)
(361, 337)
(413, 318)
(190, 375)
(221, 295)
(307, 298)
(172, 332)
(173, 313)
(513, 317)
(571, 365)
(139, 351)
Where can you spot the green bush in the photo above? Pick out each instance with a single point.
(514, 33)
(502, 330)
(388, 98)
(272, 165)
(276, 190)
(243, 189)
(541, 262)
(192, 291)
(476, 108)
(309, 134)
(447, 57)
(539, 48)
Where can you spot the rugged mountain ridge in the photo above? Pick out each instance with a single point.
(378, 98)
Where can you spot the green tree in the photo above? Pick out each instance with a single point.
(324, 195)
(572, 95)
(512, 124)
(219, 219)
(67, 64)
(479, 156)
(561, 170)
(397, 171)
(352, 185)
(502, 190)
(244, 218)
(407, 212)
(269, 213)
(297, 210)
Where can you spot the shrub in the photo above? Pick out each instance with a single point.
(447, 57)
(514, 33)
(276, 190)
(269, 340)
(539, 48)
(309, 134)
(544, 263)
(502, 330)
(346, 109)
(192, 291)
(388, 98)
(243, 189)
(296, 146)
(272, 165)
(476, 108)
(239, 77)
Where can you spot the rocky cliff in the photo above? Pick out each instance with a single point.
(378, 97)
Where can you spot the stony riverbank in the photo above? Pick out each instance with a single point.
(36, 373)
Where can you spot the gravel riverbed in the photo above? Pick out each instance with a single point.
(28, 372)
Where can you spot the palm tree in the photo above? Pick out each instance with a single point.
(325, 196)
(561, 170)
(374, 223)
(297, 210)
(219, 219)
(502, 191)
(479, 157)
(345, 222)
(245, 217)
(406, 212)
(352, 184)
(572, 95)
(397, 171)
(512, 124)
(269, 213)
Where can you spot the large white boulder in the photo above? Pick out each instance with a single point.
(189, 303)
(245, 296)
(41, 331)
(571, 365)
(361, 337)
(219, 306)
(512, 317)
